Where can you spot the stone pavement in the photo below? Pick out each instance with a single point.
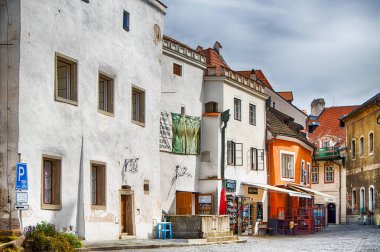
(336, 238)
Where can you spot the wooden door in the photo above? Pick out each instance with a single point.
(123, 215)
(129, 214)
(183, 203)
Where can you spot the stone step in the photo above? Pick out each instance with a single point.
(222, 238)
(127, 237)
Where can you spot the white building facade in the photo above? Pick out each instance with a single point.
(84, 95)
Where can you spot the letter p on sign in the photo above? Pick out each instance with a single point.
(21, 176)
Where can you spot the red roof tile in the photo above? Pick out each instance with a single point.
(287, 95)
(213, 58)
(260, 75)
(329, 124)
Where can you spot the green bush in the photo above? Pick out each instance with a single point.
(44, 236)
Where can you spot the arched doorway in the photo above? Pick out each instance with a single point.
(331, 213)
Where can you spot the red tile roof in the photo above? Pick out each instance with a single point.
(287, 95)
(260, 75)
(246, 74)
(329, 124)
(213, 58)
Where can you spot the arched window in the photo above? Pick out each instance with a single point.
(211, 107)
(362, 200)
(353, 149)
(354, 199)
(361, 147)
(371, 198)
(370, 143)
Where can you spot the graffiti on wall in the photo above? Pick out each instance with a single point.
(180, 172)
(131, 165)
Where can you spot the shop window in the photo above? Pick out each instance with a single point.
(237, 109)
(51, 183)
(138, 106)
(106, 96)
(329, 174)
(177, 69)
(361, 147)
(234, 153)
(287, 165)
(252, 114)
(370, 144)
(66, 79)
(98, 184)
(211, 107)
(315, 175)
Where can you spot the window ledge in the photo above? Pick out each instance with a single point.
(371, 154)
(138, 123)
(98, 207)
(51, 207)
(68, 101)
(105, 113)
(287, 179)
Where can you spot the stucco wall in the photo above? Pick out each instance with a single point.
(180, 91)
(9, 98)
(286, 108)
(92, 34)
(363, 172)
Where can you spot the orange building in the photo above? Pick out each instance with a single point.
(290, 159)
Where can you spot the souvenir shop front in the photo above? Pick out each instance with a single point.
(245, 207)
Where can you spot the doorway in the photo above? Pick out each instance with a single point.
(331, 213)
(127, 215)
(183, 203)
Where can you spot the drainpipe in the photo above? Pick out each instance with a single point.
(225, 116)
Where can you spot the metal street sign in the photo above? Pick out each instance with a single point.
(21, 176)
(21, 197)
(22, 207)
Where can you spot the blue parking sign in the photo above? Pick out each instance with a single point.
(21, 176)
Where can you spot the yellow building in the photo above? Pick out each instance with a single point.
(363, 162)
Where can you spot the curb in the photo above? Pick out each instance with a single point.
(152, 246)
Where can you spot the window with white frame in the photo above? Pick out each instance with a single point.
(237, 109)
(302, 170)
(252, 114)
(287, 165)
(353, 149)
(329, 174)
(361, 147)
(362, 200)
(371, 198)
(315, 175)
(308, 173)
(257, 159)
(370, 143)
(234, 153)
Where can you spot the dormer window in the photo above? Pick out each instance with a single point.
(211, 107)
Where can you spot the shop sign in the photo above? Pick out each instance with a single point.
(206, 199)
(230, 185)
(253, 190)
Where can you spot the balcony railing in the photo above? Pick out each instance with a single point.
(327, 153)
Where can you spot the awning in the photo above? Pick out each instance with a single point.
(308, 190)
(278, 189)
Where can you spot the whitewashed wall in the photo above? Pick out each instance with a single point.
(92, 34)
(180, 91)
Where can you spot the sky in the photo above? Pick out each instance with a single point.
(316, 48)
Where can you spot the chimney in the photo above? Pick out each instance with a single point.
(317, 106)
(199, 48)
(253, 74)
(218, 47)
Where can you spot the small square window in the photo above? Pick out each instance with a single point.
(66, 79)
(105, 94)
(138, 106)
(98, 184)
(51, 183)
(177, 69)
(126, 20)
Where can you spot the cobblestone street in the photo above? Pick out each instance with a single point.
(335, 238)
